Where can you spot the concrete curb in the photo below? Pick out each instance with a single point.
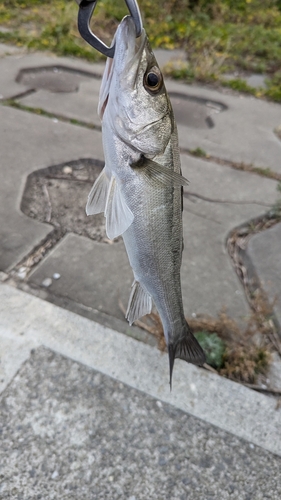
(218, 401)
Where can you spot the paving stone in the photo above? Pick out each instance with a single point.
(76, 107)
(264, 250)
(165, 56)
(13, 353)
(70, 432)
(242, 133)
(6, 50)
(27, 143)
(97, 275)
(205, 395)
(223, 198)
(217, 200)
(11, 66)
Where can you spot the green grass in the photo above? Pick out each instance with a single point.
(218, 36)
(198, 152)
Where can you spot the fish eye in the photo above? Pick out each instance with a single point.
(153, 80)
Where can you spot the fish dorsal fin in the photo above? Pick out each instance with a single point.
(98, 195)
(153, 171)
(140, 303)
(118, 215)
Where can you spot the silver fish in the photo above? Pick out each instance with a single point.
(140, 187)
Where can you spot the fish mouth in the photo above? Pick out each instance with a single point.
(126, 60)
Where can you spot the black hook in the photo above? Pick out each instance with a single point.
(86, 9)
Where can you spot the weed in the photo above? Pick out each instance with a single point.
(233, 351)
(179, 70)
(213, 346)
(198, 152)
(245, 363)
(276, 210)
(264, 172)
(239, 85)
(218, 36)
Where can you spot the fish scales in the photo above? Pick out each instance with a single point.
(140, 187)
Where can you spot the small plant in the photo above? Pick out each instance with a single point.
(239, 85)
(245, 363)
(198, 152)
(229, 349)
(179, 70)
(213, 347)
(275, 212)
(265, 172)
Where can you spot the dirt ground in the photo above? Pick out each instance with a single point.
(58, 195)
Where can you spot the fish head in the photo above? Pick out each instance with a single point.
(133, 99)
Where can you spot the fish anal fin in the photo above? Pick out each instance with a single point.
(153, 171)
(140, 303)
(118, 215)
(186, 348)
(97, 197)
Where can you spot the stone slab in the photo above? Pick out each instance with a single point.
(29, 142)
(264, 250)
(13, 353)
(72, 106)
(10, 67)
(220, 199)
(98, 275)
(6, 50)
(218, 401)
(242, 133)
(165, 56)
(70, 432)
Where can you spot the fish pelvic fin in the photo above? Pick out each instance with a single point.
(140, 303)
(105, 196)
(97, 197)
(118, 215)
(186, 348)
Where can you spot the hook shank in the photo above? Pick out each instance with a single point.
(86, 9)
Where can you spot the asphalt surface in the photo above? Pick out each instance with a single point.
(72, 433)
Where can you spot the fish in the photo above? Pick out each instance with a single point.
(140, 189)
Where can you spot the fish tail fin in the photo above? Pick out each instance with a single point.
(186, 348)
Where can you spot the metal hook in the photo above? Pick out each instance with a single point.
(86, 9)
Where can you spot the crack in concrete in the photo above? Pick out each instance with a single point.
(244, 167)
(247, 167)
(236, 245)
(189, 195)
(53, 116)
(202, 216)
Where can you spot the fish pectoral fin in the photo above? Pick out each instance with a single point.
(153, 171)
(118, 215)
(186, 348)
(97, 197)
(140, 303)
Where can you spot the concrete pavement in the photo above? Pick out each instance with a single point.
(91, 415)
(94, 275)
